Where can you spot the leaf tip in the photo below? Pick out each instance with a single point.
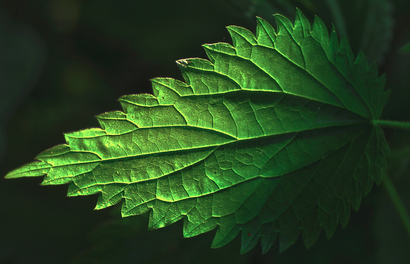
(32, 169)
(182, 63)
(10, 175)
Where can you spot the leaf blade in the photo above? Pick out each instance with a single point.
(272, 135)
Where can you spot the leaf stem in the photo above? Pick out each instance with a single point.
(397, 202)
(393, 124)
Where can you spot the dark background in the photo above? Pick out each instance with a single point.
(64, 61)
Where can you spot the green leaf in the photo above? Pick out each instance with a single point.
(271, 138)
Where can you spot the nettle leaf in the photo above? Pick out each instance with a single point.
(272, 137)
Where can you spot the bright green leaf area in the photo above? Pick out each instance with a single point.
(272, 136)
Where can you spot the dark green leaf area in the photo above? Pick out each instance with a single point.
(318, 196)
(272, 137)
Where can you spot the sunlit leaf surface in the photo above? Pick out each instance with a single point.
(272, 136)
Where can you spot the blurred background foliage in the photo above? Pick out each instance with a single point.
(64, 61)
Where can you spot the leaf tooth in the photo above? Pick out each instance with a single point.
(148, 115)
(204, 80)
(220, 47)
(241, 72)
(344, 214)
(198, 226)
(289, 229)
(199, 217)
(333, 46)
(54, 151)
(196, 63)
(243, 41)
(344, 59)
(284, 25)
(164, 214)
(112, 115)
(32, 169)
(301, 27)
(250, 235)
(177, 86)
(361, 62)
(115, 122)
(129, 209)
(70, 164)
(265, 33)
(51, 179)
(361, 74)
(289, 41)
(328, 221)
(346, 51)
(164, 94)
(194, 66)
(78, 188)
(71, 138)
(320, 34)
(244, 33)
(148, 100)
(110, 195)
(268, 234)
(311, 228)
(227, 230)
(86, 133)
(145, 117)
(65, 173)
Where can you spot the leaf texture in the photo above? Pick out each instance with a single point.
(271, 138)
